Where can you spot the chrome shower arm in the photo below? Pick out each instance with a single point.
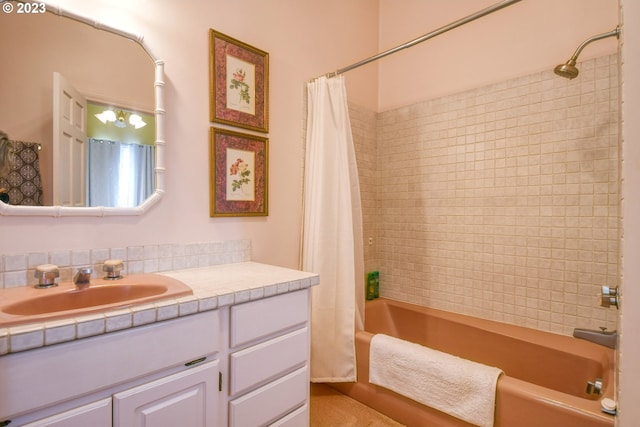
(569, 69)
(611, 33)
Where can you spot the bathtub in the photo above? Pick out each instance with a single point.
(545, 375)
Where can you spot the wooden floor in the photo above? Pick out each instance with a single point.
(330, 408)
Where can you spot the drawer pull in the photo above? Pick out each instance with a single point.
(196, 361)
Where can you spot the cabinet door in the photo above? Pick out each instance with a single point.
(188, 398)
(96, 414)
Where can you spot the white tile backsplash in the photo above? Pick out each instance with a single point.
(135, 253)
(99, 256)
(118, 253)
(60, 258)
(81, 258)
(37, 258)
(18, 269)
(150, 251)
(15, 262)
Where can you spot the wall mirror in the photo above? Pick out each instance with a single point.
(51, 62)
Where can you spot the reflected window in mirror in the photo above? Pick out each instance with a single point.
(120, 155)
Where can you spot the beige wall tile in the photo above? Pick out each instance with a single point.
(500, 202)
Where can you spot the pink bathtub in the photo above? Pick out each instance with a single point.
(545, 375)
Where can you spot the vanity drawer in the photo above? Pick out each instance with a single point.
(298, 418)
(270, 402)
(257, 319)
(257, 364)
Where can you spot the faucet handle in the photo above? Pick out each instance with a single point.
(610, 297)
(113, 267)
(46, 275)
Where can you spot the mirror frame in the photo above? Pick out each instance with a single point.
(159, 112)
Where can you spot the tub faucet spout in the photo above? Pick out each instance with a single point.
(601, 337)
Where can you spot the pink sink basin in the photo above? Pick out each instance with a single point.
(28, 305)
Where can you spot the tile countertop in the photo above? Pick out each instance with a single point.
(213, 287)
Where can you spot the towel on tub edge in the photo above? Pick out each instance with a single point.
(456, 386)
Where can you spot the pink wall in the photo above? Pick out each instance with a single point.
(524, 38)
(304, 40)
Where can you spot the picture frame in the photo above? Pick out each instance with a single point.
(239, 83)
(239, 169)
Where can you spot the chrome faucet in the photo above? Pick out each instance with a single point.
(82, 279)
(602, 337)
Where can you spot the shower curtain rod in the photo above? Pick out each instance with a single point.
(441, 30)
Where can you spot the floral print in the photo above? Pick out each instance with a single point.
(238, 83)
(241, 168)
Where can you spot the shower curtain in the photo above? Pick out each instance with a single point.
(120, 175)
(332, 232)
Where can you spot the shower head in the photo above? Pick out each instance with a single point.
(568, 69)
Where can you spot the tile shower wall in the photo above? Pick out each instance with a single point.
(18, 269)
(502, 202)
(363, 128)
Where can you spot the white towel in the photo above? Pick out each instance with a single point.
(456, 386)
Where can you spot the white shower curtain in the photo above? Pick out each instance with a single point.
(332, 232)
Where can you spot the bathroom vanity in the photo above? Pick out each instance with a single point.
(234, 353)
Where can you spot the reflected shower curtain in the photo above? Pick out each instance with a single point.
(332, 232)
(23, 183)
(119, 175)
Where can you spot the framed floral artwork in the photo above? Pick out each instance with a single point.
(239, 83)
(239, 168)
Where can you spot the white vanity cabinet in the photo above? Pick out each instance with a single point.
(237, 365)
(163, 371)
(268, 361)
(186, 398)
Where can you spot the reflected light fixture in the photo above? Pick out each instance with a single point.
(136, 121)
(119, 118)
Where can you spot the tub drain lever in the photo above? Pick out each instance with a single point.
(594, 387)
